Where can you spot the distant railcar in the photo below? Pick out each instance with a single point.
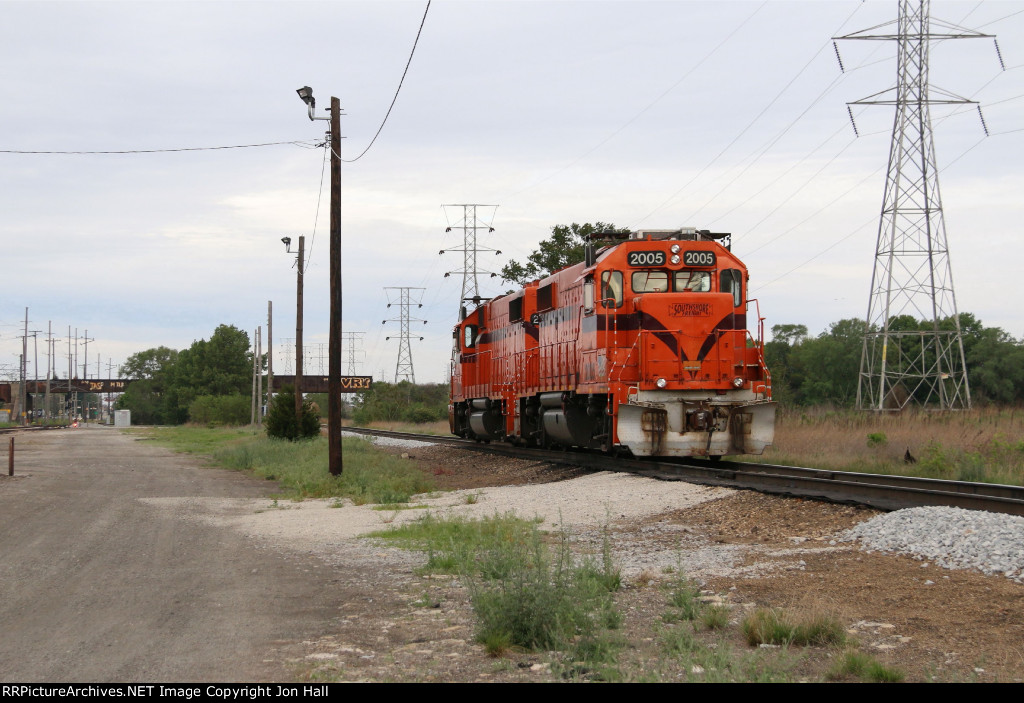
(642, 347)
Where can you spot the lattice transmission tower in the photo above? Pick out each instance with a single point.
(405, 298)
(352, 352)
(913, 351)
(470, 224)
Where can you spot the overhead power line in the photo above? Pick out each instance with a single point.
(397, 90)
(303, 143)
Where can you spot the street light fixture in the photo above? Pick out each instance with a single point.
(306, 93)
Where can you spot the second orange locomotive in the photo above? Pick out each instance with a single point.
(643, 346)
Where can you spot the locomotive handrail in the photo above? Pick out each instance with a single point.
(624, 361)
(759, 346)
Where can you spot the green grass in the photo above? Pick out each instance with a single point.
(460, 545)
(773, 626)
(716, 662)
(525, 594)
(683, 599)
(300, 468)
(715, 617)
(865, 667)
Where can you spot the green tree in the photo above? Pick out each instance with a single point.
(777, 357)
(221, 365)
(221, 410)
(402, 402)
(280, 420)
(170, 381)
(146, 396)
(825, 369)
(565, 246)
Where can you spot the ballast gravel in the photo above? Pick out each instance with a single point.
(952, 538)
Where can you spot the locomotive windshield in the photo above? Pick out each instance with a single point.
(650, 281)
(693, 281)
(655, 281)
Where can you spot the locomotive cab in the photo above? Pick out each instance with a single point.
(700, 387)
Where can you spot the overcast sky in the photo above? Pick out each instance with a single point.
(722, 115)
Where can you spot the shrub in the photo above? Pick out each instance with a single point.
(877, 439)
(538, 603)
(221, 410)
(280, 420)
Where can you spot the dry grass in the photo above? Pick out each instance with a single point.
(976, 445)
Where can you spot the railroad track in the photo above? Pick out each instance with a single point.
(7, 430)
(876, 490)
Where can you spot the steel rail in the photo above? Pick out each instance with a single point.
(29, 428)
(885, 492)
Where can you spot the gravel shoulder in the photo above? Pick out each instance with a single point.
(131, 563)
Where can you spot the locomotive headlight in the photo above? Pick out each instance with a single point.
(661, 383)
(675, 259)
(674, 248)
(738, 382)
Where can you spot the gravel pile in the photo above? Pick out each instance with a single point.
(387, 441)
(951, 537)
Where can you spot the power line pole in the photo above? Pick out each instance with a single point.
(301, 268)
(49, 368)
(259, 375)
(470, 225)
(255, 353)
(913, 350)
(333, 142)
(85, 370)
(270, 352)
(110, 402)
(403, 297)
(24, 372)
(71, 358)
(335, 459)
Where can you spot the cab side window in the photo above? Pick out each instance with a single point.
(469, 338)
(732, 282)
(611, 289)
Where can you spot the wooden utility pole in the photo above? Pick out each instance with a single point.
(49, 365)
(334, 456)
(259, 375)
(300, 265)
(252, 409)
(270, 352)
(23, 396)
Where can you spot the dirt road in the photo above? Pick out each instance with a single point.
(98, 585)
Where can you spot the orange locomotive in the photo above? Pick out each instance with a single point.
(643, 346)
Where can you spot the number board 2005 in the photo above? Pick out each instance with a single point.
(698, 258)
(646, 258)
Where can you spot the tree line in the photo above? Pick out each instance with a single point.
(823, 370)
(211, 381)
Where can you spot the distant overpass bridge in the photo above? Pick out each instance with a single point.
(310, 384)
